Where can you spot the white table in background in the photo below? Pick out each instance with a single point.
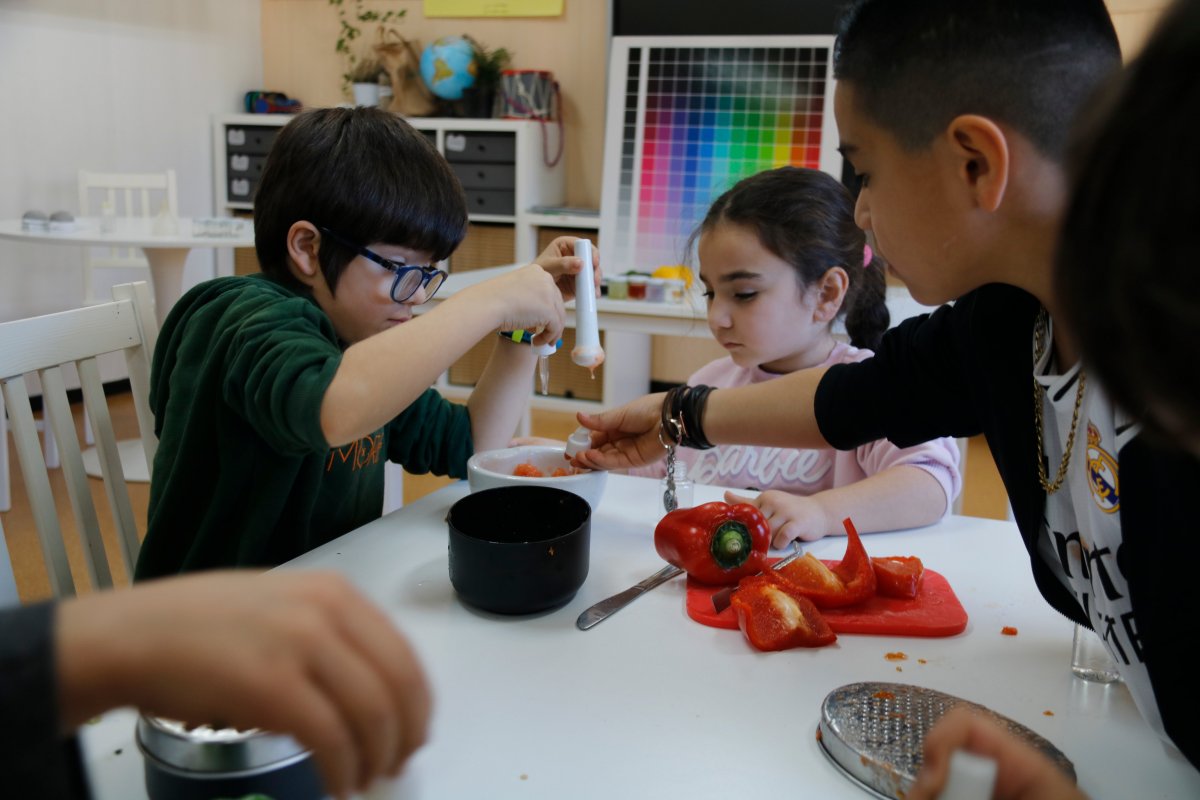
(651, 704)
(628, 322)
(166, 254)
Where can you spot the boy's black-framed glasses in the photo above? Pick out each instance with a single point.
(409, 277)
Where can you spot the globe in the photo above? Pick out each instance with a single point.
(448, 67)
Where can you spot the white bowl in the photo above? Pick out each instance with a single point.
(493, 468)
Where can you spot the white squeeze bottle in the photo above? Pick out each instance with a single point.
(587, 352)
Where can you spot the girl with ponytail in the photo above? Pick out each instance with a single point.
(781, 261)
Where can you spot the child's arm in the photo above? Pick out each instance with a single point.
(898, 497)
(501, 394)
(383, 374)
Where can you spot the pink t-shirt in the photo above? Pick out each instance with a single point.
(804, 472)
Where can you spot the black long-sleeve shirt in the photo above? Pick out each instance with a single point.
(966, 369)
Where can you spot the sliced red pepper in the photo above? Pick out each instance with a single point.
(898, 576)
(715, 543)
(850, 581)
(774, 617)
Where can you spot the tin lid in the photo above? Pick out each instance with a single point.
(215, 750)
(874, 733)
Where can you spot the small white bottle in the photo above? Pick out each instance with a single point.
(685, 490)
(587, 352)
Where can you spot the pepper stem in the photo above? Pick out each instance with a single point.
(731, 545)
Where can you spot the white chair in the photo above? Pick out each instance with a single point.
(43, 345)
(126, 195)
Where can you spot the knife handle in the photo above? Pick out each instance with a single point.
(602, 610)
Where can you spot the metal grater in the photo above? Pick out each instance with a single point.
(874, 732)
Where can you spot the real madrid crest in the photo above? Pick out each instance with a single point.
(1102, 473)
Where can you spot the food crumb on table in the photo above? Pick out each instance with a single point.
(922, 661)
(1008, 630)
(524, 777)
(896, 656)
(1047, 713)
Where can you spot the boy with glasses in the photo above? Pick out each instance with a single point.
(278, 397)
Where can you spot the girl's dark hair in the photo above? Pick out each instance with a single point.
(365, 174)
(1126, 273)
(806, 218)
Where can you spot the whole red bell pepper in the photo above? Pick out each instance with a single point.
(848, 582)
(898, 576)
(715, 543)
(773, 616)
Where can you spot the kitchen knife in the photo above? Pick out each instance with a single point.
(605, 608)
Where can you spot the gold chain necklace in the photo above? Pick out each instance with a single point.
(1039, 348)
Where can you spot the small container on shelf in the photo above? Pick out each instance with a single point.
(618, 288)
(656, 290)
(637, 287)
(676, 290)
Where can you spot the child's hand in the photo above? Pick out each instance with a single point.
(526, 299)
(559, 260)
(1022, 772)
(791, 516)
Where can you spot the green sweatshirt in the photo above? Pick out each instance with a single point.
(244, 475)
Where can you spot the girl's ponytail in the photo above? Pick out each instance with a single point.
(867, 316)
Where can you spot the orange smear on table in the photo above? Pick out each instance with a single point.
(1008, 630)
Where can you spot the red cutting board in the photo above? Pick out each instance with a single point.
(935, 611)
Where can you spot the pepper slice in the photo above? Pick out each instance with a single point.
(898, 576)
(773, 616)
(850, 581)
(715, 543)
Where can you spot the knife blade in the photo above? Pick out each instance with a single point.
(605, 608)
(721, 599)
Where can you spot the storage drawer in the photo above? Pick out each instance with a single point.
(491, 201)
(485, 176)
(243, 165)
(250, 138)
(241, 190)
(491, 147)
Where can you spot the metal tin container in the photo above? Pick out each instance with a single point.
(201, 763)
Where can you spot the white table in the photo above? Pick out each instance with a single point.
(166, 254)
(651, 704)
(628, 322)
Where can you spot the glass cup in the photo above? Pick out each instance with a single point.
(1090, 659)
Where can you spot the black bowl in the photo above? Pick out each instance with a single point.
(519, 549)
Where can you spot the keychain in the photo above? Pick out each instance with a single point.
(674, 432)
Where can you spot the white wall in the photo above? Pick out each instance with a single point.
(120, 85)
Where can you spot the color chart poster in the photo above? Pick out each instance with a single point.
(688, 117)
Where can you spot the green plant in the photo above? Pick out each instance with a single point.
(352, 16)
(365, 70)
(489, 64)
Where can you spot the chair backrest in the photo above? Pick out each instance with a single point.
(133, 194)
(44, 345)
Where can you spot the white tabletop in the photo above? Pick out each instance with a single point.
(651, 704)
(132, 232)
(688, 318)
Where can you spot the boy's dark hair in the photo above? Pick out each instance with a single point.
(365, 174)
(1126, 271)
(806, 218)
(917, 64)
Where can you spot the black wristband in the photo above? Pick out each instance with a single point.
(694, 402)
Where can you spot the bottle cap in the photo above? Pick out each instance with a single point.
(579, 440)
(972, 777)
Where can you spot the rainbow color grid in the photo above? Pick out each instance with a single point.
(690, 116)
